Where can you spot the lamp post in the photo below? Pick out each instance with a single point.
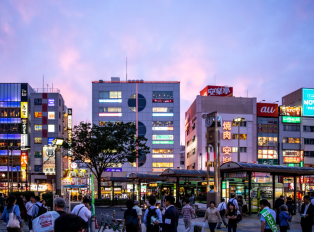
(58, 142)
(238, 120)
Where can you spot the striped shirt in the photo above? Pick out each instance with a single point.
(187, 212)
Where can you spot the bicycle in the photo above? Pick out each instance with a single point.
(110, 222)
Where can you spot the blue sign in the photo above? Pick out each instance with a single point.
(50, 140)
(308, 102)
(113, 170)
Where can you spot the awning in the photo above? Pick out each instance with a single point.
(186, 173)
(146, 177)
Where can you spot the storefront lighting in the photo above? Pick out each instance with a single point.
(162, 142)
(162, 114)
(163, 128)
(110, 100)
(163, 156)
(110, 114)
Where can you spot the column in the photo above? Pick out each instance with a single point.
(274, 190)
(177, 190)
(250, 189)
(112, 192)
(295, 192)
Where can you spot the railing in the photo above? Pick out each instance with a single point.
(46, 90)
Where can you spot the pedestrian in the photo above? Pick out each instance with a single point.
(234, 201)
(232, 216)
(212, 215)
(29, 208)
(130, 223)
(137, 207)
(59, 204)
(268, 221)
(187, 212)
(2, 204)
(150, 212)
(192, 200)
(9, 209)
(244, 207)
(171, 218)
(284, 216)
(307, 214)
(38, 208)
(83, 210)
(279, 202)
(44, 203)
(291, 208)
(222, 210)
(69, 223)
(163, 199)
(23, 212)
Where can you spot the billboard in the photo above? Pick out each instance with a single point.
(48, 159)
(267, 110)
(24, 110)
(290, 111)
(288, 159)
(24, 163)
(218, 91)
(308, 102)
(288, 119)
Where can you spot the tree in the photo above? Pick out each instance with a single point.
(100, 147)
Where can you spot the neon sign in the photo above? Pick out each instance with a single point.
(162, 114)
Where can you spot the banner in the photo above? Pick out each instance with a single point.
(270, 220)
(93, 193)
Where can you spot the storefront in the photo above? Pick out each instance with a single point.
(258, 181)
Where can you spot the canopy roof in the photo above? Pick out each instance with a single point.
(116, 179)
(186, 173)
(146, 177)
(275, 169)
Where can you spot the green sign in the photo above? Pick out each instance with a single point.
(290, 165)
(93, 193)
(162, 137)
(290, 119)
(269, 219)
(162, 142)
(301, 164)
(224, 185)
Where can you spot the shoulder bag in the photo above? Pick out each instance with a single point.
(13, 221)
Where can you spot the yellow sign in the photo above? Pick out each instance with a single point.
(153, 185)
(24, 110)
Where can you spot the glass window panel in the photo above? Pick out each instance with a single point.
(51, 128)
(51, 115)
(264, 152)
(265, 156)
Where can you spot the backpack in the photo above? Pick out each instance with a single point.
(229, 203)
(130, 221)
(41, 210)
(152, 213)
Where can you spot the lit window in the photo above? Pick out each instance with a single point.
(51, 128)
(162, 165)
(38, 154)
(51, 115)
(115, 94)
(38, 114)
(109, 94)
(51, 102)
(162, 114)
(163, 109)
(162, 123)
(38, 140)
(163, 94)
(109, 109)
(234, 149)
(163, 151)
(38, 127)
(162, 137)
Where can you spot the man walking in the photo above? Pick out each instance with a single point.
(187, 212)
(279, 202)
(138, 209)
(234, 201)
(29, 207)
(268, 217)
(306, 214)
(38, 208)
(171, 217)
(83, 210)
(152, 211)
(222, 210)
(59, 204)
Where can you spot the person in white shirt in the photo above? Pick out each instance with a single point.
(29, 210)
(139, 212)
(222, 207)
(234, 201)
(83, 210)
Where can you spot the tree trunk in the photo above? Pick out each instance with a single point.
(99, 186)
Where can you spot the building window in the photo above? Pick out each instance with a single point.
(38, 168)
(38, 140)
(242, 136)
(51, 115)
(109, 109)
(163, 94)
(309, 153)
(291, 128)
(187, 132)
(109, 94)
(162, 165)
(234, 149)
(38, 114)
(308, 128)
(267, 154)
(51, 128)
(163, 109)
(181, 162)
(292, 140)
(162, 151)
(188, 143)
(193, 138)
(242, 124)
(59, 102)
(243, 149)
(38, 101)
(59, 115)
(59, 128)
(162, 137)
(193, 126)
(308, 141)
(38, 154)
(267, 141)
(162, 123)
(38, 127)
(193, 151)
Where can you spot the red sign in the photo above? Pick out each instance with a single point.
(267, 110)
(290, 111)
(23, 158)
(219, 91)
(291, 159)
(162, 100)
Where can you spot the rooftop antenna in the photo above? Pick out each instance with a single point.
(47, 88)
(126, 68)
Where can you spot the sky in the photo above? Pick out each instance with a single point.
(263, 48)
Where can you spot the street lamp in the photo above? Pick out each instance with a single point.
(238, 120)
(58, 142)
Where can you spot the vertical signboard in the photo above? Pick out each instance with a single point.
(308, 102)
(70, 130)
(24, 92)
(24, 163)
(24, 110)
(48, 159)
(93, 193)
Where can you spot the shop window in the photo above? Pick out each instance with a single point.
(162, 123)
(38, 140)
(163, 109)
(51, 128)
(308, 128)
(51, 115)
(163, 151)
(163, 94)
(38, 101)
(308, 141)
(38, 127)
(291, 128)
(242, 136)
(38, 114)
(38, 154)
(242, 124)
(109, 109)
(309, 153)
(162, 165)
(291, 140)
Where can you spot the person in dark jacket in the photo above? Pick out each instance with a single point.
(279, 202)
(307, 210)
(290, 206)
(171, 218)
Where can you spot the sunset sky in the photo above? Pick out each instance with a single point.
(265, 47)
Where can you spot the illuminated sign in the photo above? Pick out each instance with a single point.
(24, 110)
(110, 114)
(226, 134)
(113, 169)
(153, 185)
(24, 140)
(163, 128)
(288, 159)
(24, 125)
(70, 111)
(291, 186)
(219, 91)
(162, 137)
(70, 122)
(110, 100)
(24, 163)
(290, 119)
(159, 169)
(162, 142)
(51, 115)
(38, 114)
(308, 102)
(290, 111)
(51, 102)
(291, 153)
(226, 150)
(50, 140)
(267, 110)
(260, 174)
(24, 92)
(162, 114)
(41, 187)
(48, 159)
(162, 100)
(162, 156)
(226, 126)
(226, 159)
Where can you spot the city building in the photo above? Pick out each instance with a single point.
(182, 157)
(220, 99)
(158, 117)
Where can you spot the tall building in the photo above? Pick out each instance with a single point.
(158, 118)
(220, 99)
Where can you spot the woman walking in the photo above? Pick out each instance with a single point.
(20, 203)
(283, 218)
(212, 216)
(232, 216)
(9, 209)
(130, 223)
